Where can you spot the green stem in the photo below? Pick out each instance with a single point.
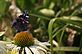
(50, 27)
(60, 43)
(43, 17)
(63, 30)
(80, 46)
(67, 49)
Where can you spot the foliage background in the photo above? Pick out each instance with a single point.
(59, 20)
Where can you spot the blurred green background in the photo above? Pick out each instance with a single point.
(59, 20)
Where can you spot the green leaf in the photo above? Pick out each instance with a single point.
(39, 16)
(2, 6)
(76, 21)
(21, 4)
(46, 3)
(24, 4)
(50, 27)
(33, 1)
(62, 34)
(61, 23)
(80, 46)
(68, 49)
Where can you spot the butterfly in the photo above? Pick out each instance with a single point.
(21, 23)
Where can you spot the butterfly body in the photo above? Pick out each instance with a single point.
(21, 23)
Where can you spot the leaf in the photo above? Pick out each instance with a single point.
(61, 23)
(2, 33)
(24, 4)
(33, 1)
(68, 49)
(50, 27)
(80, 48)
(75, 21)
(20, 3)
(39, 16)
(2, 6)
(62, 34)
(46, 3)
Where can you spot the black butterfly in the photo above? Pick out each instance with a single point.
(21, 22)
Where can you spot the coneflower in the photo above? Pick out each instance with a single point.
(24, 39)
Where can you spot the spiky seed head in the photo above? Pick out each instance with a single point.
(24, 39)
